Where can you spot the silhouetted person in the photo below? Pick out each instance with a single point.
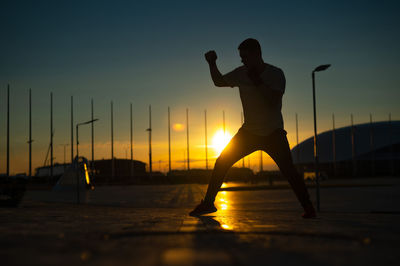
(261, 88)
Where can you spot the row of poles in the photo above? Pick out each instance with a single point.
(353, 140)
(50, 150)
(187, 139)
(51, 146)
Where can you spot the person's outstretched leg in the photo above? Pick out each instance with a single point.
(277, 147)
(239, 146)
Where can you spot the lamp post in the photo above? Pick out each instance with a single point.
(77, 153)
(77, 135)
(317, 69)
(187, 138)
(169, 140)
(150, 159)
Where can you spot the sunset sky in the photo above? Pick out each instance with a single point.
(153, 53)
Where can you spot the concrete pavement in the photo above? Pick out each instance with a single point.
(149, 225)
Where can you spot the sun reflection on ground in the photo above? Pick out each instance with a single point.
(222, 196)
(224, 205)
(226, 227)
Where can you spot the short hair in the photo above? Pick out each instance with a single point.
(251, 45)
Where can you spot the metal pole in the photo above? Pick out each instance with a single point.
(72, 129)
(187, 138)
(131, 129)
(353, 147)
(316, 163)
(150, 159)
(8, 131)
(169, 140)
(297, 140)
(223, 120)
(205, 136)
(51, 136)
(64, 154)
(241, 120)
(261, 153)
(92, 125)
(371, 143)
(30, 133)
(77, 141)
(184, 159)
(77, 165)
(112, 142)
(77, 154)
(334, 145)
(391, 144)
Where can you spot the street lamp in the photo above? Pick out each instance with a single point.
(317, 69)
(77, 154)
(77, 138)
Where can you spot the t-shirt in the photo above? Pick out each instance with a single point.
(260, 117)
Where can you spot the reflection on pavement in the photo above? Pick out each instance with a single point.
(226, 227)
(222, 220)
(223, 202)
(213, 223)
(222, 199)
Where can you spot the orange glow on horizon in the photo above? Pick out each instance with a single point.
(178, 127)
(19, 162)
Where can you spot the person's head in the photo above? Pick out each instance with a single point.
(250, 52)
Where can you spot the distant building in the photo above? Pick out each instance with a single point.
(101, 169)
(122, 168)
(361, 150)
(44, 171)
(203, 176)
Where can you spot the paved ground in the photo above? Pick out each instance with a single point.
(149, 225)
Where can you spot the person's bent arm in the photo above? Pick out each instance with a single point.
(216, 75)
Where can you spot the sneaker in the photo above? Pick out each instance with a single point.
(309, 212)
(203, 208)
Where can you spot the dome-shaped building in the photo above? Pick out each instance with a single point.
(361, 150)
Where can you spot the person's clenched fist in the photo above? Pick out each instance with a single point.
(211, 56)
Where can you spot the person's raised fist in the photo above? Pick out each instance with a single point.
(211, 56)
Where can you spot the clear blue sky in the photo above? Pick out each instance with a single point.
(152, 53)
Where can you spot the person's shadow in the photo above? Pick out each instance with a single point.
(216, 245)
(210, 223)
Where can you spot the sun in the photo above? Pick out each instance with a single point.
(220, 140)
